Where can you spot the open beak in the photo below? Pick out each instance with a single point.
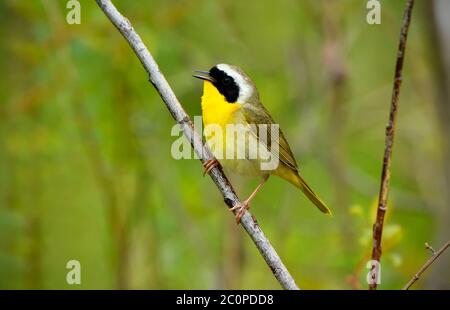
(203, 75)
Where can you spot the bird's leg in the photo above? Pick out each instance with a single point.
(245, 205)
(209, 165)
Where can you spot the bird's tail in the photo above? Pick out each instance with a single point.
(299, 182)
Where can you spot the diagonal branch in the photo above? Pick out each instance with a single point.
(390, 130)
(428, 263)
(175, 108)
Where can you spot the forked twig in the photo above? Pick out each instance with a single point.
(428, 263)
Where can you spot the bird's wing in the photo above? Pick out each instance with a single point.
(260, 115)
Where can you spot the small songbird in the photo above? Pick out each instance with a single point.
(231, 98)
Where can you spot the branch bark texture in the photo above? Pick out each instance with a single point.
(390, 131)
(176, 109)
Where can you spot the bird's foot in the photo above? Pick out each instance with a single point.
(242, 207)
(209, 165)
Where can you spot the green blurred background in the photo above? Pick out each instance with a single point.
(85, 165)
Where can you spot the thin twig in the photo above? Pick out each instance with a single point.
(175, 108)
(429, 262)
(390, 130)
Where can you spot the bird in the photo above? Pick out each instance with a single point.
(230, 98)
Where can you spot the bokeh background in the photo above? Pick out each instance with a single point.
(85, 165)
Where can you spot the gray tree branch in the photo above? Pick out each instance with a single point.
(175, 108)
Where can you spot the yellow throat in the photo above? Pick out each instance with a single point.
(215, 108)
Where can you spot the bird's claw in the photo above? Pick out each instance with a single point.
(242, 208)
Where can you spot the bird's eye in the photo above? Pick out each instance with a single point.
(226, 81)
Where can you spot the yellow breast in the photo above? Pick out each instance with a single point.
(218, 112)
